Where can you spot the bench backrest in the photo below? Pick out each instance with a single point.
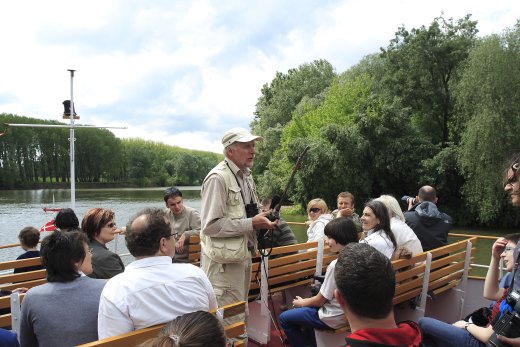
(194, 250)
(139, 336)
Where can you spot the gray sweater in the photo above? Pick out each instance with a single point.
(61, 314)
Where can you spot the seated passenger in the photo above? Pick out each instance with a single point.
(66, 220)
(282, 235)
(100, 228)
(29, 238)
(346, 209)
(62, 312)
(462, 333)
(8, 338)
(366, 288)
(152, 290)
(319, 216)
(185, 222)
(195, 329)
(321, 311)
(404, 235)
(376, 224)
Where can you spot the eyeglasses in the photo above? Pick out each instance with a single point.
(508, 249)
(513, 179)
(90, 251)
(315, 209)
(111, 224)
(174, 235)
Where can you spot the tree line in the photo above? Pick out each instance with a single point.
(32, 156)
(439, 106)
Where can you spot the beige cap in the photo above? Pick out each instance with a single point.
(239, 135)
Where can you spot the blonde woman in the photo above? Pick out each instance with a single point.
(319, 216)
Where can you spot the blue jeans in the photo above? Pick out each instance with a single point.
(437, 333)
(292, 322)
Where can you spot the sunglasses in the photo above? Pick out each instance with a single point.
(513, 178)
(315, 209)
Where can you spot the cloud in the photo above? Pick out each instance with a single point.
(184, 72)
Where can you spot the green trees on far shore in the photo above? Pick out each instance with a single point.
(36, 156)
(438, 106)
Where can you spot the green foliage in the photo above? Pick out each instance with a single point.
(489, 103)
(29, 156)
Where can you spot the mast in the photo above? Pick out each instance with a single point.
(71, 143)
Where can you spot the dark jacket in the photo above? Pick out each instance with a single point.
(406, 334)
(106, 264)
(429, 224)
(282, 235)
(27, 255)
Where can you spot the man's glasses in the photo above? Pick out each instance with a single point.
(174, 235)
(508, 249)
(513, 179)
(315, 209)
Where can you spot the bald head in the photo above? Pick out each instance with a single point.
(145, 231)
(427, 193)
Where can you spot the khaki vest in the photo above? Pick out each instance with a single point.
(230, 248)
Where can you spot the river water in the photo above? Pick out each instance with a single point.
(21, 208)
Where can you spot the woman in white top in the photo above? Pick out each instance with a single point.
(319, 216)
(376, 224)
(404, 235)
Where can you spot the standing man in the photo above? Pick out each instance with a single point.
(184, 220)
(345, 204)
(366, 287)
(429, 224)
(151, 290)
(230, 217)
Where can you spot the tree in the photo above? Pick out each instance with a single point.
(489, 101)
(423, 65)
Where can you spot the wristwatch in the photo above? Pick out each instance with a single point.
(467, 325)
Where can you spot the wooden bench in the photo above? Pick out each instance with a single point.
(139, 336)
(194, 250)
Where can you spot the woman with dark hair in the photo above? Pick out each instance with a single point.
(376, 224)
(100, 228)
(62, 312)
(196, 329)
(66, 220)
(321, 311)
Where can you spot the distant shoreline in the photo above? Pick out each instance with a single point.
(79, 185)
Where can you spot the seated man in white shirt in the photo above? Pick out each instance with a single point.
(152, 290)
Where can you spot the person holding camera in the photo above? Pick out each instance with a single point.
(467, 333)
(429, 224)
(230, 217)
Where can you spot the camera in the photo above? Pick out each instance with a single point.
(407, 199)
(251, 210)
(509, 323)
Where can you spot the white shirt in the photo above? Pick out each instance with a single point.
(405, 237)
(316, 230)
(331, 313)
(380, 241)
(151, 291)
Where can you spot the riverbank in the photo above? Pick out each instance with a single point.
(66, 185)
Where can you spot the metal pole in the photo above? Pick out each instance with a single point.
(71, 140)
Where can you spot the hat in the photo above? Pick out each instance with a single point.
(239, 135)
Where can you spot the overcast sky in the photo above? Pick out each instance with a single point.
(183, 72)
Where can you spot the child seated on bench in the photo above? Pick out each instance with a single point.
(321, 311)
(198, 328)
(29, 238)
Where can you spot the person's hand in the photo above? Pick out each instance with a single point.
(20, 290)
(298, 302)
(346, 212)
(179, 245)
(515, 342)
(260, 221)
(498, 247)
(460, 324)
(308, 222)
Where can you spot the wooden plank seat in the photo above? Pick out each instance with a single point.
(194, 250)
(449, 264)
(139, 336)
